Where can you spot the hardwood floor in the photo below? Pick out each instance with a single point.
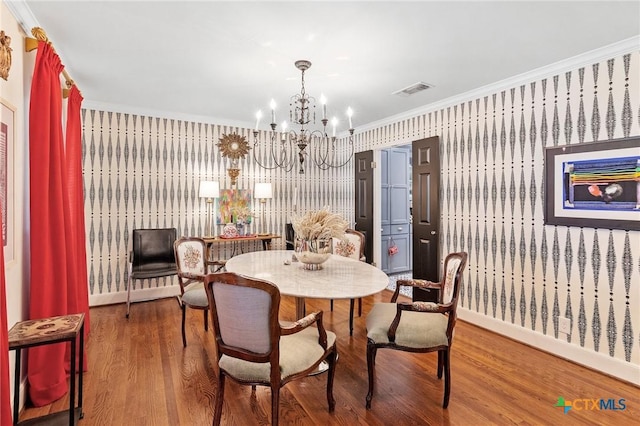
(139, 374)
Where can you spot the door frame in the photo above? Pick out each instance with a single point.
(377, 205)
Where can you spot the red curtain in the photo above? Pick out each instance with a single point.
(50, 225)
(78, 297)
(5, 400)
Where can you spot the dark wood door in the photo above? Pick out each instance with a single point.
(364, 199)
(426, 212)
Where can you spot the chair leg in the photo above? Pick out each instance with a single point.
(360, 306)
(184, 317)
(217, 414)
(275, 404)
(371, 365)
(206, 320)
(440, 364)
(331, 360)
(351, 305)
(128, 293)
(447, 378)
(331, 305)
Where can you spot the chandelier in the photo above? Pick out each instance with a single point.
(287, 147)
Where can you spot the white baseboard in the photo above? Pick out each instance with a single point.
(136, 295)
(594, 360)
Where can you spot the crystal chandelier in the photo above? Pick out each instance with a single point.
(286, 147)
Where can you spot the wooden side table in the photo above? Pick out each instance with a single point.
(46, 331)
(265, 239)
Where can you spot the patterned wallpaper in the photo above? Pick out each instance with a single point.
(144, 172)
(492, 196)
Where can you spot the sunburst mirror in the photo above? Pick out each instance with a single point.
(234, 147)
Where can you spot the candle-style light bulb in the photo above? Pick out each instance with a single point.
(258, 117)
(273, 110)
(350, 114)
(284, 131)
(323, 102)
(334, 122)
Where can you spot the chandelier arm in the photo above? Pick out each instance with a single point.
(287, 156)
(321, 148)
(324, 148)
(287, 165)
(287, 152)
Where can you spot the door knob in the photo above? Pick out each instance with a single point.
(433, 232)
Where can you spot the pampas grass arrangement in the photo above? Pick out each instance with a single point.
(320, 224)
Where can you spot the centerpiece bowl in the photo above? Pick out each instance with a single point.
(314, 232)
(313, 253)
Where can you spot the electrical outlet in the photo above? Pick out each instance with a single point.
(564, 325)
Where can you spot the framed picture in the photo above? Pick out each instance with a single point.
(7, 145)
(234, 205)
(595, 185)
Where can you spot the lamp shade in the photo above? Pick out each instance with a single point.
(262, 190)
(209, 189)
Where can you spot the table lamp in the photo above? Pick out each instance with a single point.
(209, 190)
(262, 191)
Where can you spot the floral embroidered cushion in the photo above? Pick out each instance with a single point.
(348, 246)
(191, 257)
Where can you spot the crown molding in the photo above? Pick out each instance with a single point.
(585, 59)
(23, 14)
(27, 21)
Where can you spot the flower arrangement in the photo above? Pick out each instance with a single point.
(242, 214)
(321, 224)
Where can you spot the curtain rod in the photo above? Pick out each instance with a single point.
(32, 44)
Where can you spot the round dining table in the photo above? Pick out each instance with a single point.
(339, 278)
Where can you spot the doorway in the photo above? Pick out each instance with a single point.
(421, 167)
(395, 210)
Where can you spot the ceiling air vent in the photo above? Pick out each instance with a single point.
(413, 89)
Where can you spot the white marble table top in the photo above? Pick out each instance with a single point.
(340, 278)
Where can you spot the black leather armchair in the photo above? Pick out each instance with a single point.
(152, 256)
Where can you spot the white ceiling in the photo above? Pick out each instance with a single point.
(222, 61)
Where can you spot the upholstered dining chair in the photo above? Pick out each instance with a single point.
(351, 246)
(418, 326)
(253, 348)
(191, 259)
(215, 265)
(151, 256)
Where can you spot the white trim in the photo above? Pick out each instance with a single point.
(585, 59)
(136, 295)
(615, 367)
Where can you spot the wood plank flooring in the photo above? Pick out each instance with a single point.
(139, 374)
